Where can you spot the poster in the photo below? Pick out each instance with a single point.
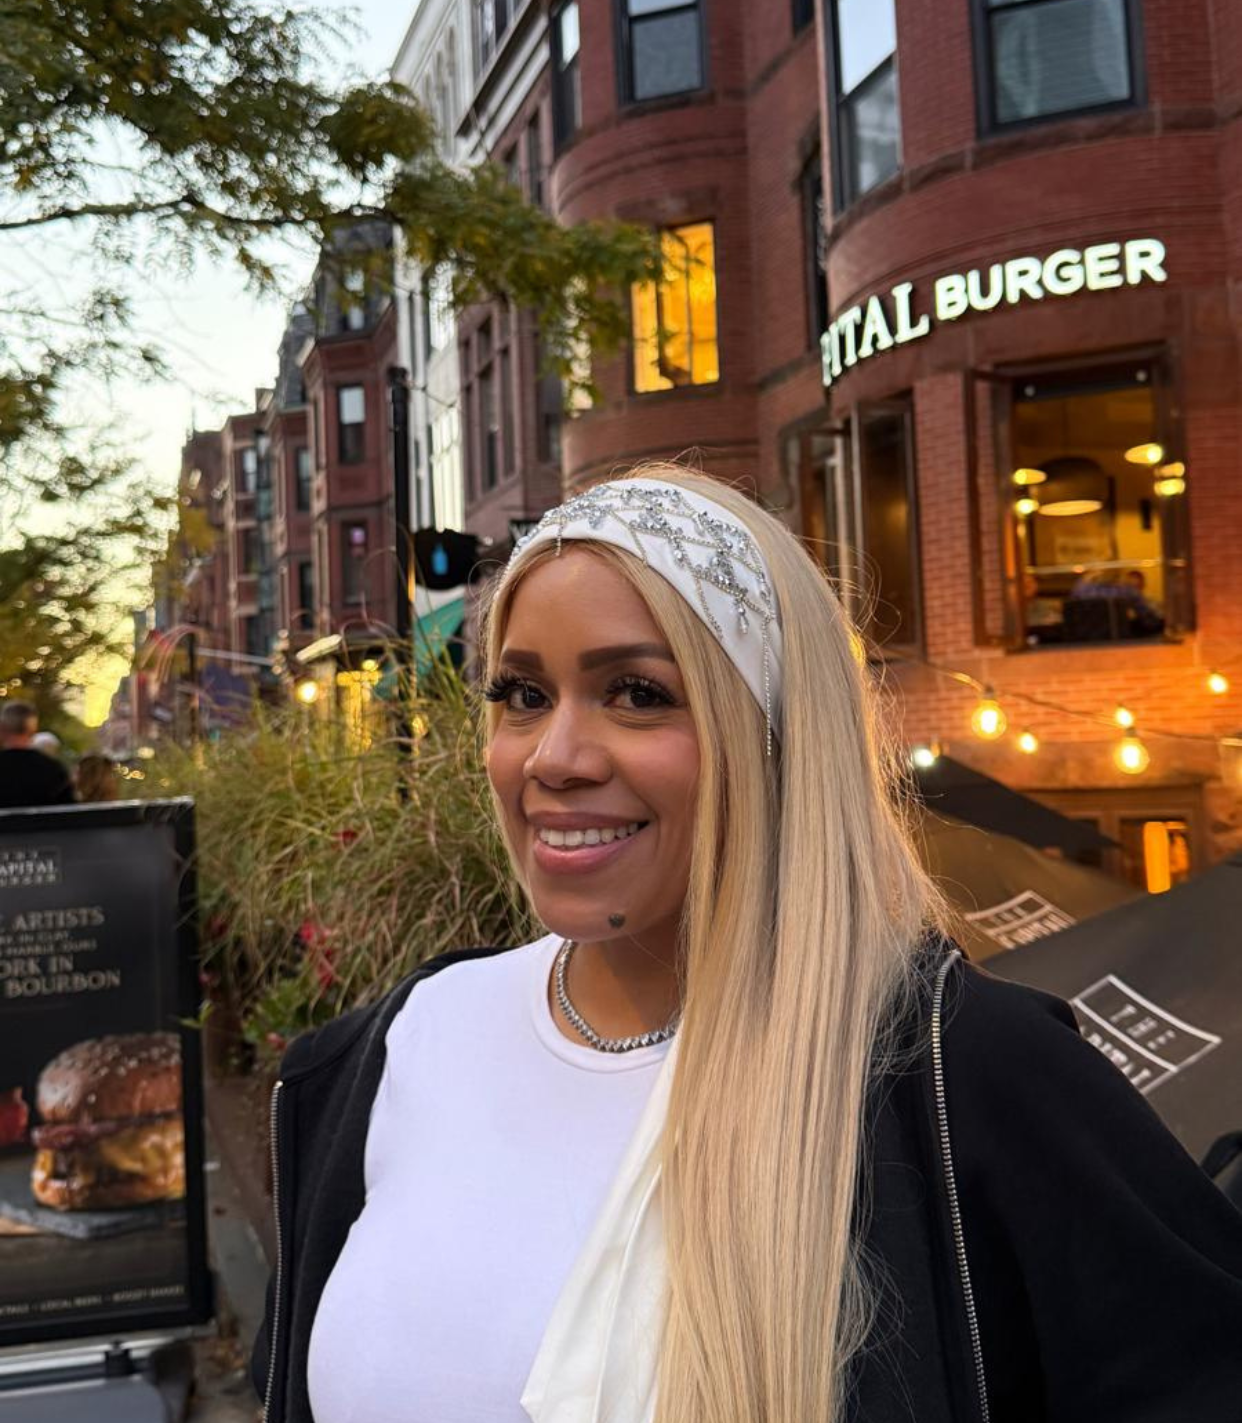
(102, 1224)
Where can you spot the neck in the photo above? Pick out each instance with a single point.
(623, 986)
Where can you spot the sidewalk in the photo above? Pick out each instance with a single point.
(238, 1226)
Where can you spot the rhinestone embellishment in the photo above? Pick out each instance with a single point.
(706, 550)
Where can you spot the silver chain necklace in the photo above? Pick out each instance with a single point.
(585, 1030)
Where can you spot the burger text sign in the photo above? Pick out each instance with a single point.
(101, 1210)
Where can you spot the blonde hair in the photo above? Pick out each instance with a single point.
(805, 908)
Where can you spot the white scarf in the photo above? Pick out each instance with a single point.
(598, 1356)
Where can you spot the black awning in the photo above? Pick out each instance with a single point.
(1008, 892)
(1157, 986)
(948, 787)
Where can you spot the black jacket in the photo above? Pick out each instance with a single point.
(1105, 1270)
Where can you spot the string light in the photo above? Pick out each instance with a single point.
(924, 757)
(1028, 743)
(1124, 717)
(1130, 755)
(308, 692)
(988, 720)
(1217, 683)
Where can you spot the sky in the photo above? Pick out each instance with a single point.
(219, 338)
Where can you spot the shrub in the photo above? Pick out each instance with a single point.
(327, 871)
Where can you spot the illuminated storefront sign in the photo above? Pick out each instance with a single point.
(895, 318)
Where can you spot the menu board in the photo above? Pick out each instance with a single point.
(102, 1221)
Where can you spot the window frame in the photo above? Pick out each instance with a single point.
(802, 13)
(625, 54)
(302, 456)
(344, 456)
(988, 125)
(1181, 620)
(817, 305)
(843, 194)
(670, 389)
(351, 597)
(564, 131)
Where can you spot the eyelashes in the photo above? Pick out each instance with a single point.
(505, 689)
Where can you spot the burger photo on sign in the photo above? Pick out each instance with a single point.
(111, 1133)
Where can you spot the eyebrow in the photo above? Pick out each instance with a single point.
(596, 657)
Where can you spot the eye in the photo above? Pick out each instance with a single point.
(640, 693)
(514, 693)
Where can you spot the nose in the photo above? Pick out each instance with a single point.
(568, 751)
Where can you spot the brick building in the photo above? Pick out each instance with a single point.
(1033, 386)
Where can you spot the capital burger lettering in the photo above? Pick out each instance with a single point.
(885, 321)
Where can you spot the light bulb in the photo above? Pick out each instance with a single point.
(1024, 508)
(1027, 476)
(1218, 683)
(307, 692)
(1131, 756)
(923, 757)
(1028, 743)
(988, 720)
(1124, 717)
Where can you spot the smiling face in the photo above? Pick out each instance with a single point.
(593, 755)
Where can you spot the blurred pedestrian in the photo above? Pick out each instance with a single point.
(47, 742)
(28, 776)
(97, 778)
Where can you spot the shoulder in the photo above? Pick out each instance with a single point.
(362, 1028)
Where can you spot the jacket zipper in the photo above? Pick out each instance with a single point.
(950, 1182)
(272, 1355)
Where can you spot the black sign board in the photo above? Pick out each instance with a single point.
(102, 1219)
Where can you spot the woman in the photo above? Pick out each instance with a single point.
(96, 778)
(741, 1139)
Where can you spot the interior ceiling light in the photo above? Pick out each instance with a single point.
(1076, 485)
(1175, 469)
(1150, 453)
(1025, 507)
(1169, 488)
(1026, 476)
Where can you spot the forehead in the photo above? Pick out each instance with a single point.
(576, 596)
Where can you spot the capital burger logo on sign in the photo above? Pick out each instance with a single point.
(895, 317)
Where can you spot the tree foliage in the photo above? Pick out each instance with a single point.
(152, 131)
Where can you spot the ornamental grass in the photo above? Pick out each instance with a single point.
(331, 863)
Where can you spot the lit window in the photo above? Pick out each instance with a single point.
(675, 339)
(1098, 517)
(868, 126)
(1046, 58)
(663, 48)
(353, 562)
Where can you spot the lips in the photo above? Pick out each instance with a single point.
(582, 856)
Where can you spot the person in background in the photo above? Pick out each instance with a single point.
(27, 776)
(96, 778)
(1140, 618)
(47, 742)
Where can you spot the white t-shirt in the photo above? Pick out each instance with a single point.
(492, 1143)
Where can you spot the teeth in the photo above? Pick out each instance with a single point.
(603, 835)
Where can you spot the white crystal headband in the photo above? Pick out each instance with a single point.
(698, 547)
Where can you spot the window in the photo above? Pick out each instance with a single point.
(803, 14)
(856, 482)
(675, 318)
(1045, 58)
(534, 162)
(816, 239)
(491, 20)
(566, 86)
(249, 552)
(867, 131)
(353, 315)
(663, 49)
(351, 424)
(304, 613)
(248, 470)
(1094, 490)
(511, 168)
(302, 478)
(253, 632)
(353, 562)
(1160, 833)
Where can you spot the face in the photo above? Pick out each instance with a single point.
(594, 758)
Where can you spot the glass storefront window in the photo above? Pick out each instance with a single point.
(856, 495)
(674, 319)
(1095, 499)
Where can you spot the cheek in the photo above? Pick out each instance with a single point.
(504, 760)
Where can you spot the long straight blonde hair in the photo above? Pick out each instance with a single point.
(805, 908)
